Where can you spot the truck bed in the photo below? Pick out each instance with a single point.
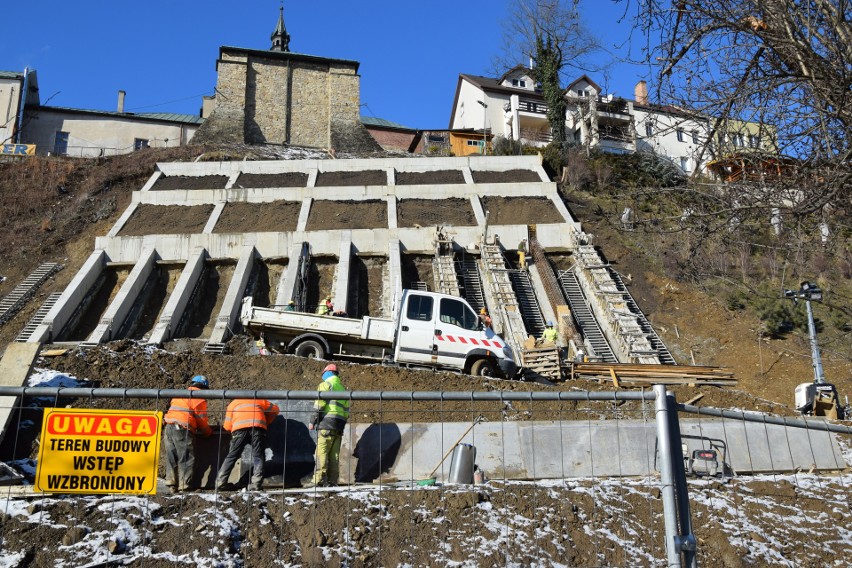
(368, 329)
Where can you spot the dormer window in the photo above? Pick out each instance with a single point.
(519, 83)
(582, 93)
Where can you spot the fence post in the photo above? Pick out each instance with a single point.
(668, 444)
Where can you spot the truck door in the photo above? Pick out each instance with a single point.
(415, 341)
(456, 330)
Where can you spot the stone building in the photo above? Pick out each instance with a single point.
(280, 97)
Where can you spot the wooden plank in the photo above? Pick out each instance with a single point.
(614, 378)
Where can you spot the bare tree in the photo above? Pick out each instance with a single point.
(551, 34)
(784, 64)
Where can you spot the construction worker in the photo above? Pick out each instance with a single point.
(247, 420)
(549, 335)
(185, 419)
(522, 255)
(485, 318)
(291, 306)
(261, 346)
(326, 307)
(329, 420)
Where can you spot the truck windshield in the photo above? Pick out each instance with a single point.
(455, 312)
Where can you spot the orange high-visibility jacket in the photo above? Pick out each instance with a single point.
(189, 413)
(249, 413)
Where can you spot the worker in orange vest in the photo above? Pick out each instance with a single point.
(247, 420)
(185, 419)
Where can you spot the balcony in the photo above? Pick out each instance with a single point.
(534, 107)
(536, 136)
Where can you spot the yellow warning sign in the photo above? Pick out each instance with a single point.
(98, 451)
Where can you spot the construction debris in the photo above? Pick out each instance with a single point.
(639, 375)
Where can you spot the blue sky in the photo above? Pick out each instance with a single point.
(164, 53)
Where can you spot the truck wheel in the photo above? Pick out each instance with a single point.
(310, 349)
(483, 368)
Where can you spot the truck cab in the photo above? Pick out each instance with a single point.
(444, 331)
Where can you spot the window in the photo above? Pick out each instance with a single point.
(753, 141)
(738, 140)
(649, 129)
(456, 313)
(519, 83)
(140, 143)
(419, 308)
(684, 164)
(60, 143)
(474, 143)
(680, 134)
(695, 137)
(582, 93)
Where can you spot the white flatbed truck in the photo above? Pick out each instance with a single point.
(428, 329)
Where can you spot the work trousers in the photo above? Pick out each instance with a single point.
(239, 439)
(328, 457)
(180, 457)
(522, 260)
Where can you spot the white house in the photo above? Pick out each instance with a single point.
(513, 106)
(13, 85)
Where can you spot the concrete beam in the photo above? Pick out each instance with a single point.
(179, 299)
(478, 210)
(71, 298)
(15, 367)
(230, 311)
(541, 293)
(304, 212)
(394, 290)
(214, 217)
(134, 203)
(340, 297)
(152, 180)
(114, 317)
(392, 218)
(287, 284)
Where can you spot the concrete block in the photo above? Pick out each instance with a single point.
(340, 297)
(15, 366)
(478, 211)
(287, 285)
(303, 214)
(71, 298)
(394, 276)
(214, 217)
(179, 298)
(231, 304)
(113, 317)
(392, 214)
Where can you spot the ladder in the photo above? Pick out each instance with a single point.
(527, 302)
(20, 294)
(471, 283)
(586, 321)
(446, 280)
(38, 318)
(663, 353)
(214, 348)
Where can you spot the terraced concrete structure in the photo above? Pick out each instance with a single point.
(269, 229)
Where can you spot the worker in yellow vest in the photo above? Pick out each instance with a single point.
(328, 419)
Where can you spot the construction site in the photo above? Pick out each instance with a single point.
(164, 293)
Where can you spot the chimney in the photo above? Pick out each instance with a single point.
(121, 95)
(640, 92)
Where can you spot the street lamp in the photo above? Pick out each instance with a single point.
(808, 292)
(484, 137)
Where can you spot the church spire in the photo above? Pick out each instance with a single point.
(280, 37)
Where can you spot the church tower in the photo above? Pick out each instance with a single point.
(280, 37)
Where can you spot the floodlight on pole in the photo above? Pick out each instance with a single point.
(807, 292)
(484, 136)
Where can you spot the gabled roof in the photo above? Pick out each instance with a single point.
(382, 123)
(511, 71)
(587, 80)
(492, 85)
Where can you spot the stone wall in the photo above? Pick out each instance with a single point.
(266, 97)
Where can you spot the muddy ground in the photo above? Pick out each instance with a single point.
(166, 220)
(435, 212)
(327, 215)
(289, 179)
(190, 182)
(789, 521)
(520, 210)
(365, 177)
(430, 178)
(271, 216)
(509, 176)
